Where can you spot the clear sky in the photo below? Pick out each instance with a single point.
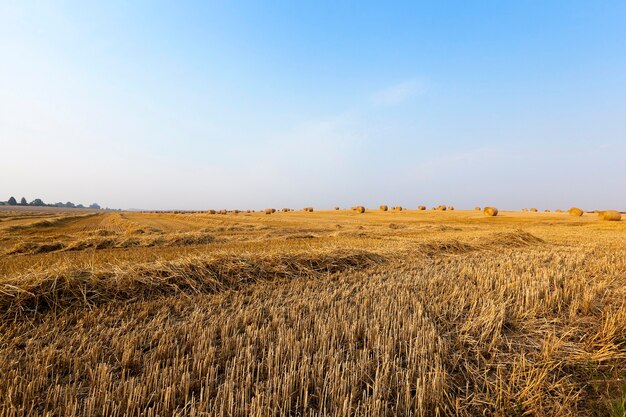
(238, 104)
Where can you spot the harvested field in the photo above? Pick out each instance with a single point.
(312, 313)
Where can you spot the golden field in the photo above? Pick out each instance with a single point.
(323, 313)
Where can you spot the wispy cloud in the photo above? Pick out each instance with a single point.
(397, 93)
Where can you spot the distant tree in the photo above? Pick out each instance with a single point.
(12, 201)
(59, 204)
(37, 202)
(23, 202)
(94, 206)
(80, 206)
(69, 204)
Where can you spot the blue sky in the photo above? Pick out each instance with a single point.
(228, 104)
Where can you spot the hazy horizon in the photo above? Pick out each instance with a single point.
(230, 105)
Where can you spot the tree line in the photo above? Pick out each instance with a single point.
(38, 202)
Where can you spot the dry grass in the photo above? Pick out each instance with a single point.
(313, 314)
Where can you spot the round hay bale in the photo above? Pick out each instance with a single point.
(558, 211)
(575, 211)
(490, 211)
(383, 208)
(477, 208)
(421, 207)
(398, 208)
(286, 210)
(336, 208)
(450, 207)
(610, 215)
(534, 210)
(359, 209)
(442, 208)
(546, 211)
(269, 210)
(212, 212)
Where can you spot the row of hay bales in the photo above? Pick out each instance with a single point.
(172, 211)
(606, 215)
(441, 207)
(229, 211)
(360, 209)
(182, 211)
(610, 215)
(535, 210)
(285, 210)
(384, 207)
(420, 208)
(266, 211)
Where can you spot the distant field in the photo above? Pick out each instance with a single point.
(330, 313)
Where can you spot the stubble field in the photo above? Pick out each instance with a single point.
(324, 313)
